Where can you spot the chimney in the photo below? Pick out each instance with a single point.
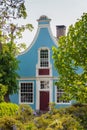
(60, 31)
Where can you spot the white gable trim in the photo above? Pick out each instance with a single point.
(26, 50)
(53, 38)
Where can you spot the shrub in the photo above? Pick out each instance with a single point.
(8, 123)
(65, 122)
(57, 122)
(25, 113)
(20, 119)
(73, 117)
(80, 113)
(8, 109)
(43, 121)
(30, 126)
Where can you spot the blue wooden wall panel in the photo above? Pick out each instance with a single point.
(29, 59)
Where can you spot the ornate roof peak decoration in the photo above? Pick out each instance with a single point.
(43, 18)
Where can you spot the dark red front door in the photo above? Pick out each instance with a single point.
(44, 100)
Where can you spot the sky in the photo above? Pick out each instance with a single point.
(61, 12)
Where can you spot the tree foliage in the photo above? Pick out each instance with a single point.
(70, 60)
(12, 9)
(3, 91)
(8, 67)
(10, 32)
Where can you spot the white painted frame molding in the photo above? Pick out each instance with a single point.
(38, 91)
(20, 92)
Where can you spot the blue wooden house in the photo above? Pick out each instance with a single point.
(37, 72)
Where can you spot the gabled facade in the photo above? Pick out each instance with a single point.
(37, 73)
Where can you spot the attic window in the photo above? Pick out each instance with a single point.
(44, 58)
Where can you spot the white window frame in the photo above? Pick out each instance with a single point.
(20, 93)
(61, 102)
(48, 59)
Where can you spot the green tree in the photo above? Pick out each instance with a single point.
(10, 32)
(70, 60)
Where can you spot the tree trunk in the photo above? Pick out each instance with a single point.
(0, 46)
(6, 97)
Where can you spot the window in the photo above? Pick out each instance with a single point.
(26, 93)
(44, 58)
(44, 84)
(59, 93)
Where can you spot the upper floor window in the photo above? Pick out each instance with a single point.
(44, 58)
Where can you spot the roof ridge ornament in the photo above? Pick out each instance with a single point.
(43, 18)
